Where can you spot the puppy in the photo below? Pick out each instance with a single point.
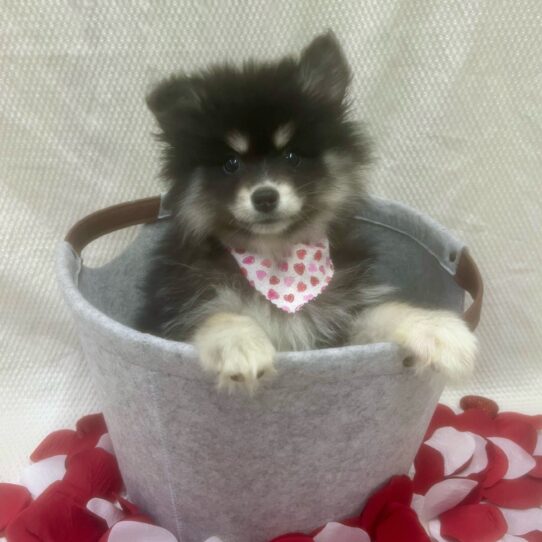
(266, 173)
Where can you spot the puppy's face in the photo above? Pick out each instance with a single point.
(262, 154)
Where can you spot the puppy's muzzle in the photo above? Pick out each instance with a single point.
(265, 199)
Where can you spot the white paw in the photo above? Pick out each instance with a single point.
(236, 349)
(438, 339)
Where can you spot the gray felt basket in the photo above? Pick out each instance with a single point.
(310, 446)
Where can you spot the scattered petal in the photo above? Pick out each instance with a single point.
(498, 465)
(511, 538)
(535, 421)
(336, 532)
(429, 466)
(39, 476)
(521, 432)
(56, 516)
(442, 417)
(93, 424)
(457, 448)
(523, 521)
(481, 403)
(538, 447)
(13, 500)
(434, 531)
(95, 473)
(445, 495)
(521, 493)
(397, 490)
(417, 504)
(537, 471)
(479, 461)
(401, 523)
(475, 421)
(134, 531)
(519, 461)
(62, 442)
(106, 510)
(473, 523)
(56, 443)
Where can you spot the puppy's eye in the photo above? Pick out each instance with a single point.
(292, 158)
(231, 165)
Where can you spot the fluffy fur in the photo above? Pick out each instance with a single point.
(282, 127)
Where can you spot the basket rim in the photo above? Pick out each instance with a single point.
(150, 210)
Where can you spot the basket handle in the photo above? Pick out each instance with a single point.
(147, 210)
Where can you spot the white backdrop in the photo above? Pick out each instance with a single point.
(451, 92)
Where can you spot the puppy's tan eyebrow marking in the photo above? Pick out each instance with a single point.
(283, 134)
(237, 141)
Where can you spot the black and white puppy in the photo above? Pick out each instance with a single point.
(260, 160)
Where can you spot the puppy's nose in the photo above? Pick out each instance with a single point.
(265, 199)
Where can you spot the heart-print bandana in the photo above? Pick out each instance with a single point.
(292, 281)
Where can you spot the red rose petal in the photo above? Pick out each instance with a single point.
(402, 524)
(56, 517)
(429, 466)
(135, 531)
(537, 471)
(18, 532)
(524, 492)
(398, 490)
(521, 432)
(535, 421)
(474, 497)
(57, 443)
(95, 473)
(64, 442)
(473, 523)
(93, 424)
(13, 500)
(535, 536)
(482, 403)
(475, 421)
(442, 417)
(497, 465)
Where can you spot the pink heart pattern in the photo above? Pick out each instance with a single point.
(300, 275)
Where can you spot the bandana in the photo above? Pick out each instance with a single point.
(292, 281)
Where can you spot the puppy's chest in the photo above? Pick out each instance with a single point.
(322, 322)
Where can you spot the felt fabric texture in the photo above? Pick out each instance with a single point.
(296, 452)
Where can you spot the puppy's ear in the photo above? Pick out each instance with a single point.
(323, 69)
(170, 98)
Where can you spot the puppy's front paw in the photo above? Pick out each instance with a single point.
(438, 339)
(236, 349)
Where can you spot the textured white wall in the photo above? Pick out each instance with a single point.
(451, 92)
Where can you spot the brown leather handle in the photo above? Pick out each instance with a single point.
(110, 219)
(147, 210)
(468, 276)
